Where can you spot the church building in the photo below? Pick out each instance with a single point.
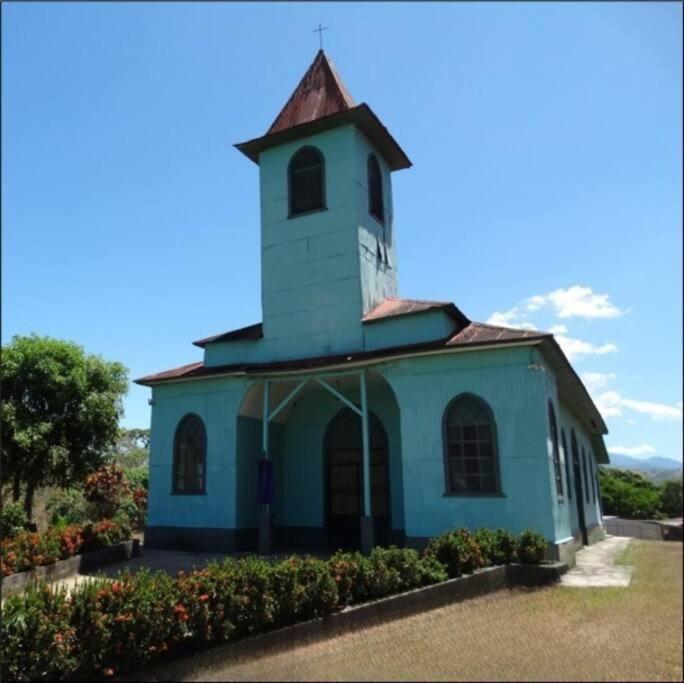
(350, 416)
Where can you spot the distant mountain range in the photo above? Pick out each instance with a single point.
(653, 463)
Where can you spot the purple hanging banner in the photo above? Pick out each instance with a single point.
(265, 483)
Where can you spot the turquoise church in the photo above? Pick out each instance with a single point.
(350, 416)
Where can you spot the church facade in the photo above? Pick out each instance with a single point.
(349, 416)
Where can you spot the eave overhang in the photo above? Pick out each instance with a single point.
(362, 116)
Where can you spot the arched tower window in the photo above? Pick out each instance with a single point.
(376, 206)
(190, 454)
(566, 456)
(306, 180)
(470, 448)
(553, 427)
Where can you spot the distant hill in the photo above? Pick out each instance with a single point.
(653, 463)
(655, 468)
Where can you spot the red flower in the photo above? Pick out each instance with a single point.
(204, 598)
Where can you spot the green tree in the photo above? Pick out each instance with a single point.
(671, 497)
(628, 494)
(59, 412)
(131, 448)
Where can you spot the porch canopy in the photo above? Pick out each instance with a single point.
(272, 397)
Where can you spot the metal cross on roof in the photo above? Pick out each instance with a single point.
(320, 30)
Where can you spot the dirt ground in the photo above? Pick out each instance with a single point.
(555, 633)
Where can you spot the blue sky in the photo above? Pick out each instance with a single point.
(546, 188)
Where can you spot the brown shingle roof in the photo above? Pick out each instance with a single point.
(481, 333)
(475, 334)
(249, 333)
(319, 93)
(393, 307)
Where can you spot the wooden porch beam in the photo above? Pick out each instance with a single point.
(340, 396)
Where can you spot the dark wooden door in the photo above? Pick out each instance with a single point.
(345, 496)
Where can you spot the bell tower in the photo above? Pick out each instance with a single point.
(328, 253)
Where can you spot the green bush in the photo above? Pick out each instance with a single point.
(671, 497)
(106, 628)
(302, 589)
(138, 477)
(497, 546)
(13, 519)
(458, 551)
(531, 547)
(28, 550)
(67, 506)
(129, 620)
(38, 640)
(628, 494)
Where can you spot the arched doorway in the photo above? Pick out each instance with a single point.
(343, 446)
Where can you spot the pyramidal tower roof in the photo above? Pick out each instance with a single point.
(320, 102)
(319, 93)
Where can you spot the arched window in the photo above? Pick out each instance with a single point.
(586, 475)
(566, 456)
(553, 426)
(376, 206)
(306, 179)
(470, 449)
(190, 453)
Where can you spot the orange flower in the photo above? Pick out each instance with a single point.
(58, 637)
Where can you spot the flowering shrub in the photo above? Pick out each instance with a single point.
(28, 550)
(38, 641)
(531, 547)
(498, 547)
(104, 489)
(107, 627)
(383, 572)
(458, 551)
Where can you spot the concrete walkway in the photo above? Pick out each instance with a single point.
(595, 565)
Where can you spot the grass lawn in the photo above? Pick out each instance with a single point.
(555, 633)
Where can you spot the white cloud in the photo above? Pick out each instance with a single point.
(608, 403)
(612, 403)
(597, 380)
(505, 319)
(558, 329)
(657, 411)
(641, 449)
(576, 301)
(576, 348)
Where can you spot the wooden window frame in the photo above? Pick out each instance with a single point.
(585, 473)
(566, 455)
(373, 164)
(290, 208)
(555, 449)
(497, 493)
(174, 483)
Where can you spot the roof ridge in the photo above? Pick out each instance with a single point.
(319, 93)
(514, 329)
